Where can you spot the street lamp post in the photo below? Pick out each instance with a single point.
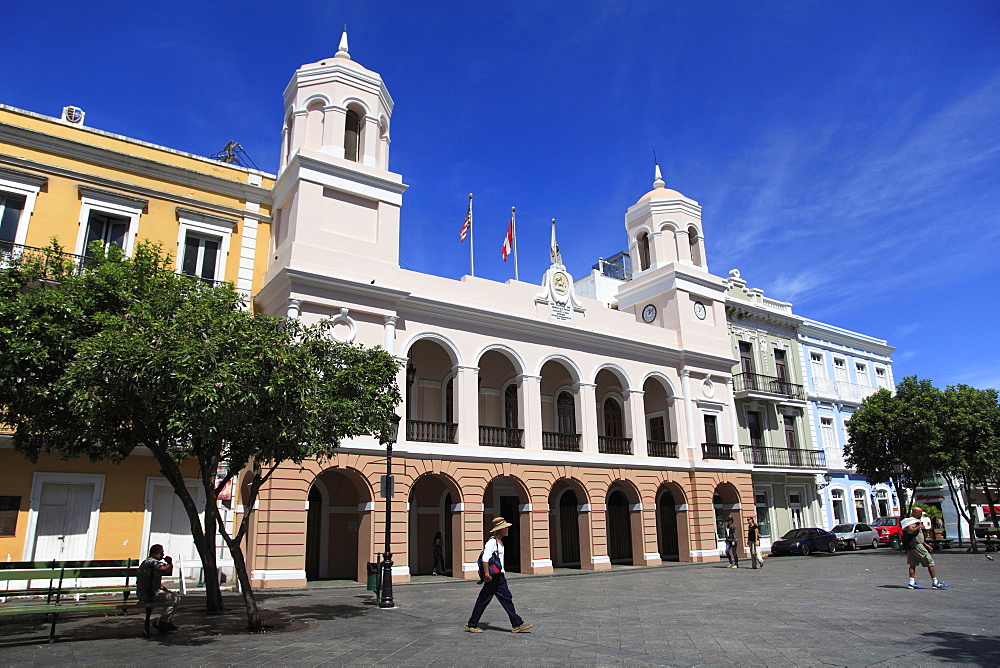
(897, 471)
(385, 594)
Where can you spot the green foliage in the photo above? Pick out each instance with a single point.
(128, 354)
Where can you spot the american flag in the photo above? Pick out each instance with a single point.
(508, 241)
(467, 225)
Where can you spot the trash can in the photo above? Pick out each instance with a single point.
(896, 545)
(374, 570)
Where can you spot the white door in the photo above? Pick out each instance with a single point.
(170, 527)
(63, 522)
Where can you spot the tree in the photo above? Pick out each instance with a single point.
(903, 426)
(970, 454)
(129, 354)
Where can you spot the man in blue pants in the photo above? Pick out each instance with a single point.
(495, 584)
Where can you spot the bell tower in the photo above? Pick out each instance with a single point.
(671, 285)
(336, 204)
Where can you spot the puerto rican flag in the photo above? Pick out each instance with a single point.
(508, 241)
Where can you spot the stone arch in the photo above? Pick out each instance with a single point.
(668, 225)
(726, 503)
(672, 531)
(570, 541)
(434, 499)
(453, 350)
(512, 355)
(572, 367)
(359, 104)
(505, 496)
(340, 531)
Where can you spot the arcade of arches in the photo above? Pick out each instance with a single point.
(326, 521)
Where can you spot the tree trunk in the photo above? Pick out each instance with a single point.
(234, 544)
(204, 541)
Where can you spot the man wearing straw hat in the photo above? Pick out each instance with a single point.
(495, 583)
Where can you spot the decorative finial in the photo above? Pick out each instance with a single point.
(657, 177)
(554, 246)
(342, 51)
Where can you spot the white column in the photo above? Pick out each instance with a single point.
(298, 129)
(404, 408)
(334, 124)
(389, 343)
(292, 307)
(694, 452)
(734, 426)
(369, 137)
(635, 412)
(530, 410)
(587, 416)
(467, 395)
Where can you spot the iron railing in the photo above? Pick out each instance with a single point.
(501, 437)
(614, 445)
(54, 263)
(661, 448)
(57, 263)
(764, 456)
(430, 432)
(716, 451)
(555, 441)
(755, 382)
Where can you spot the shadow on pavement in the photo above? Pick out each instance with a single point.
(964, 648)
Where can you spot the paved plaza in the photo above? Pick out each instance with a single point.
(841, 609)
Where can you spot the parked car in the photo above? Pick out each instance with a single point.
(855, 536)
(887, 527)
(805, 541)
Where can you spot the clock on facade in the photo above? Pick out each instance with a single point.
(649, 313)
(699, 310)
(560, 283)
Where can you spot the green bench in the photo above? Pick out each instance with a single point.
(52, 588)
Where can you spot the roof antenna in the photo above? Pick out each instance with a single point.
(658, 178)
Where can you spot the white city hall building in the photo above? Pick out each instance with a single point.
(604, 430)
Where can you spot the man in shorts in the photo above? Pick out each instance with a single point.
(918, 552)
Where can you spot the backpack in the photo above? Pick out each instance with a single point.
(493, 564)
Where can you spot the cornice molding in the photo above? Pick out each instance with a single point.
(150, 193)
(148, 168)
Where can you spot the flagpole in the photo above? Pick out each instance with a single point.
(513, 225)
(472, 244)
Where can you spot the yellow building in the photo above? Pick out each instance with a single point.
(60, 179)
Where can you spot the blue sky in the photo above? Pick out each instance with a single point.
(846, 154)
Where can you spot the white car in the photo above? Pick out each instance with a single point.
(855, 536)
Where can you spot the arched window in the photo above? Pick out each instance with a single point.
(643, 243)
(861, 505)
(510, 407)
(566, 413)
(693, 243)
(352, 135)
(613, 418)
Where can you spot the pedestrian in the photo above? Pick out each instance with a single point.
(731, 542)
(148, 588)
(918, 552)
(495, 582)
(438, 568)
(753, 540)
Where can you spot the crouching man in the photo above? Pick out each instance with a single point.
(149, 590)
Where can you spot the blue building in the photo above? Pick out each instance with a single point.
(841, 368)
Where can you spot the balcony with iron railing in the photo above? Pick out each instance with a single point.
(755, 384)
(424, 431)
(841, 390)
(716, 451)
(501, 437)
(661, 448)
(53, 263)
(614, 445)
(760, 455)
(564, 442)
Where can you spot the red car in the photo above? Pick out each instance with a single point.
(887, 527)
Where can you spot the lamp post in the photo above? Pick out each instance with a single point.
(385, 594)
(897, 471)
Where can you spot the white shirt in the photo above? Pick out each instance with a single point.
(493, 545)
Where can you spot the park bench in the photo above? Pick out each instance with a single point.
(992, 543)
(940, 543)
(54, 588)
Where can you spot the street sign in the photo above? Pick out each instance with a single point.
(387, 487)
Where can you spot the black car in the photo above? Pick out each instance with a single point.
(805, 541)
